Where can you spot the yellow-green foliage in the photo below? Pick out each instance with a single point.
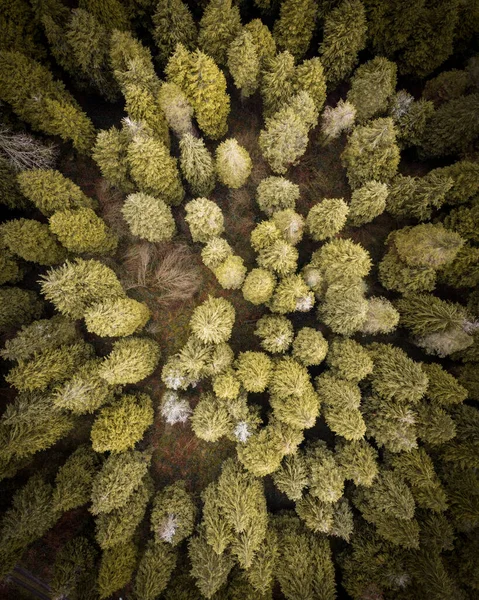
(265, 234)
(74, 569)
(344, 36)
(131, 360)
(309, 77)
(277, 82)
(52, 365)
(153, 169)
(32, 241)
(120, 475)
(50, 191)
(341, 260)
(111, 13)
(258, 286)
(117, 318)
(209, 100)
(215, 252)
(464, 220)
(213, 320)
(358, 461)
(254, 370)
(226, 385)
(309, 346)
(75, 286)
(131, 62)
(18, 307)
(381, 317)
(219, 26)
(276, 333)
(290, 224)
(142, 106)
(209, 569)
(335, 121)
(244, 63)
(344, 307)
(110, 154)
(173, 24)
(81, 230)
(173, 515)
(371, 153)
(233, 164)
(394, 274)
(120, 425)
(279, 256)
(74, 480)
(116, 568)
(263, 41)
(211, 420)
(349, 360)
(197, 165)
(276, 193)
(205, 219)
(327, 218)
(43, 102)
(10, 194)
(294, 28)
(149, 218)
(463, 271)
(371, 87)
(231, 272)
(418, 196)
(290, 295)
(367, 203)
(40, 335)
(176, 107)
(427, 245)
(154, 571)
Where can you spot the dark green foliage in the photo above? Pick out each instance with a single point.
(426, 313)
(32, 241)
(410, 118)
(465, 221)
(173, 514)
(219, 26)
(446, 86)
(173, 24)
(10, 193)
(154, 571)
(465, 175)
(116, 568)
(111, 13)
(74, 570)
(418, 196)
(18, 307)
(294, 28)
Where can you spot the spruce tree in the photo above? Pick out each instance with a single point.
(367, 203)
(215, 252)
(418, 197)
(205, 219)
(342, 260)
(18, 307)
(381, 317)
(290, 295)
(212, 321)
(263, 41)
(254, 370)
(154, 571)
(410, 118)
(197, 165)
(258, 286)
(177, 109)
(349, 360)
(275, 332)
(143, 108)
(210, 570)
(231, 273)
(294, 28)
(219, 26)
(233, 163)
(149, 218)
(358, 461)
(463, 271)
(110, 154)
(173, 24)
(111, 13)
(344, 307)
(337, 120)
(115, 318)
(74, 570)
(276, 193)
(309, 77)
(326, 218)
(116, 568)
(173, 514)
(81, 230)
(131, 360)
(277, 82)
(244, 63)
(344, 36)
(74, 480)
(211, 420)
(427, 245)
(33, 241)
(309, 346)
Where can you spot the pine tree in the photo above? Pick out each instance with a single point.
(74, 570)
(265, 235)
(276, 193)
(74, 479)
(309, 347)
(226, 385)
(116, 568)
(32, 241)
(258, 286)
(205, 219)
(81, 230)
(244, 63)
(173, 24)
(177, 109)
(154, 571)
(367, 203)
(294, 28)
(344, 36)
(75, 286)
(219, 26)
(197, 165)
(326, 218)
(277, 82)
(280, 257)
(372, 85)
(371, 153)
(120, 475)
(18, 307)
(276, 333)
(410, 118)
(464, 221)
(290, 224)
(115, 318)
(463, 271)
(50, 191)
(149, 218)
(10, 194)
(131, 360)
(153, 169)
(120, 425)
(233, 164)
(215, 252)
(349, 360)
(381, 317)
(337, 120)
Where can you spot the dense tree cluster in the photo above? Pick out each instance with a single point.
(320, 159)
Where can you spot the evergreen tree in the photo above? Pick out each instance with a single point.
(381, 317)
(75, 286)
(277, 82)
(210, 570)
(231, 273)
(464, 220)
(254, 370)
(426, 313)
(344, 307)
(394, 274)
(39, 100)
(349, 360)
(211, 420)
(215, 252)
(131, 360)
(10, 194)
(326, 218)
(212, 321)
(463, 271)
(373, 84)
(115, 318)
(280, 257)
(197, 165)
(258, 286)
(173, 24)
(10, 269)
(367, 203)
(120, 475)
(74, 479)
(276, 333)
(32, 241)
(144, 109)
(427, 245)
(292, 477)
(116, 568)
(149, 218)
(410, 118)
(81, 230)
(371, 153)
(309, 347)
(233, 164)
(290, 224)
(263, 41)
(154, 571)
(226, 385)
(335, 121)
(418, 197)
(290, 295)
(50, 191)
(276, 193)
(446, 86)
(153, 169)
(173, 514)
(177, 109)
(110, 154)
(465, 175)
(205, 219)
(294, 28)
(344, 36)
(111, 13)
(219, 26)
(244, 63)
(74, 569)
(358, 461)
(342, 260)
(18, 307)
(131, 62)
(120, 425)
(309, 77)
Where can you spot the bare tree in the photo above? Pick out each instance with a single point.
(23, 151)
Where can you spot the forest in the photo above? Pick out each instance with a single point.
(239, 299)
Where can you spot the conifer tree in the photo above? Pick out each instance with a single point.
(215, 252)
(410, 118)
(212, 321)
(335, 121)
(219, 26)
(349, 360)
(263, 41)
(197, 165)
(50, 191)
(427, 245)
(210, 419)
(74, 479)
(344, 36)
(131, 360)
(367, 203)
(10, 269)
(173, 24)
(131, 62)
(294, 28)
(463, 271)
(74, 570)
(277, 82)
(279, 256)
(120, 475)
(31, 240)
(292, 477)
(110, 154)
(115, 318)
(418, 197)
(342, 260)
(10, 194)
(244, 63)
(75, 286)
(309, 77)
(326, 218)
(378, 74)
(276, 333)
(231, 272)
(116, 568)
(143, 108)
(177, 109)
(38, 99)
(18, 307)
(290, 224)
(111, 13)
(154, 571)
(371, 153)
(276, 193)
(153, 169)
(209, 569)
(394, 274)
(464, 220)
(258, 286)
(290, 295)
(205, 219)
(465, 175)
(381, 317)
(226, 385)
(344, 307)
(254, 371)
(309, 346)
(358, 461)
(120, 425)
(149, 218)
(173, 514)
(81, 230)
